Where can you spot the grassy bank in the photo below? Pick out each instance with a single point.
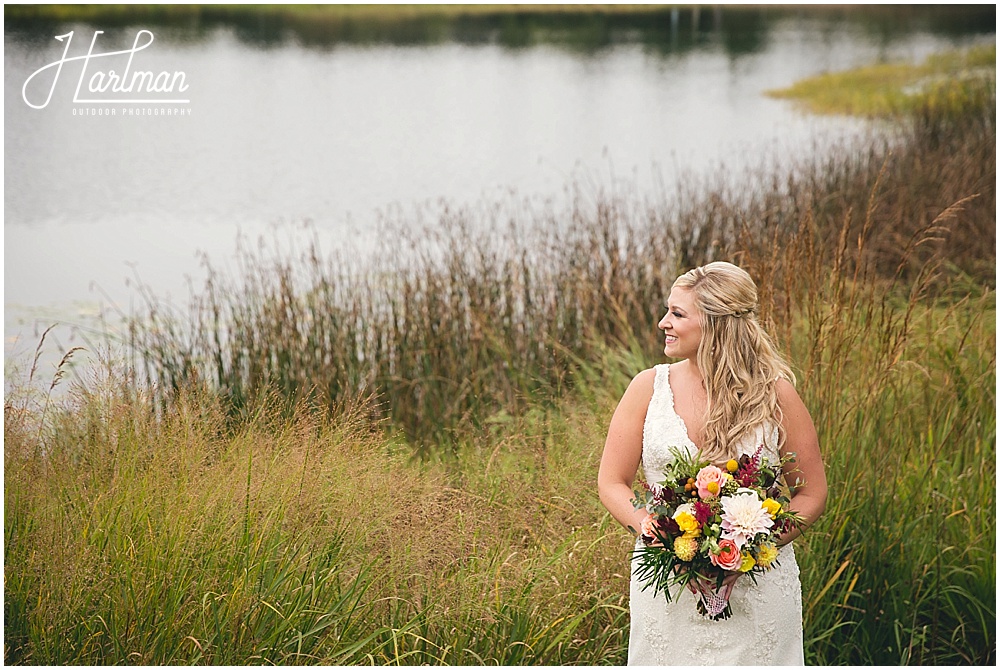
(262, 502)
(955, 82)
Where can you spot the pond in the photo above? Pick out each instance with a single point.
(281, 119)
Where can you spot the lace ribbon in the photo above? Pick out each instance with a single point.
(714, 604)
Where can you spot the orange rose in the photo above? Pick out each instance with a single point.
(729, 557)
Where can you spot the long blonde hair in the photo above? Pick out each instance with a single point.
(739, 363)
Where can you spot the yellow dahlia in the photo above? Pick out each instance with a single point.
(685, 547)
(767, 554)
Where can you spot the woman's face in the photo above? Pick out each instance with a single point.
(681, 325)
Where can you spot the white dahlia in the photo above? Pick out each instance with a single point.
(743, 516)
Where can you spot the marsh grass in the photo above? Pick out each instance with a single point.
(257, 499)
(904, 546)
(175, 538)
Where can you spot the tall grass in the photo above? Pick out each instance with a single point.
(900, 569)
(173, 538)
(257, 501)
(486, 310)
(138, 539)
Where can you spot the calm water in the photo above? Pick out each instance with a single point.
(282, 130)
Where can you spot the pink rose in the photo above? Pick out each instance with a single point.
(729, 557)
(709, 475)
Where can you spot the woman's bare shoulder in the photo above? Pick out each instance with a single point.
(640, 389)
(645, 379)
(794, 411)
(786, 392)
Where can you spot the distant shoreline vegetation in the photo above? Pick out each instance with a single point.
(740, 29)
(898, 89)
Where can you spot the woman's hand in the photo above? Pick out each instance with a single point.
(705, 586)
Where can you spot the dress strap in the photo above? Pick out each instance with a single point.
(663, 397)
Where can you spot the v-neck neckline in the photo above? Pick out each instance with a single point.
(673, 408)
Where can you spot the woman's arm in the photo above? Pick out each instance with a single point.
(623, 451)
(805, 475)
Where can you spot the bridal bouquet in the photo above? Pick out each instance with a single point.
(705, 522)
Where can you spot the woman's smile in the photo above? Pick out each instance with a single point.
(681, 325)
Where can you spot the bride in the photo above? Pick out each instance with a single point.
(730, 393)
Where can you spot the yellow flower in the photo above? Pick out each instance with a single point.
(685, 547)
(748, 562)
(732, 465)
(713, 488)
(688, 524)
(772, 506)
(767, 554)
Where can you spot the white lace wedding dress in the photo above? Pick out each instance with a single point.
(766, 624)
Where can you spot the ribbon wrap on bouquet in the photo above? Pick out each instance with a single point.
(713, 603)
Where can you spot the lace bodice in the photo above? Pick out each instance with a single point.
(766, 626)
(664, 430)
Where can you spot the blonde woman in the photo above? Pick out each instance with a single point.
(729, 393)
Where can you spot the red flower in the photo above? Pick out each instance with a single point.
(749, 467)
(661, 494)
(702, 512)
(668, 526)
